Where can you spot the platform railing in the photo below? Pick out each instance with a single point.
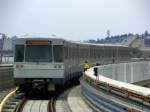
(108, 96)
(6, 76)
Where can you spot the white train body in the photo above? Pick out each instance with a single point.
(55, 61)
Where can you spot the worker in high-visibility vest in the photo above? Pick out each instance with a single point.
(86, 66)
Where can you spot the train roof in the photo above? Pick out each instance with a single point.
(23, 40)
(115, 45)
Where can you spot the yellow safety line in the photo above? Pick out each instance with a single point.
(3, 102)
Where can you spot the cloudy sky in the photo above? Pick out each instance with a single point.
(74, 19)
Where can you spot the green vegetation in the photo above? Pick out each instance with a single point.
(136, 52)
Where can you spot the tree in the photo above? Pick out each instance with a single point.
(136, 52)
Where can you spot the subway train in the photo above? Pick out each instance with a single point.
(51, 62)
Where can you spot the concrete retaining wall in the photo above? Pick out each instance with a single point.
(128, 72)
(6, 77)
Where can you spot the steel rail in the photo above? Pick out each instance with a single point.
(6, 98)
(20, 106)
(51, 105)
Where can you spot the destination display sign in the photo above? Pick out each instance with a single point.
(38, 42)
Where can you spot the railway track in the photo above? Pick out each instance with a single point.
(17, 102)
(10, 103)
(37, 106)
(110, 100)
(27, 105)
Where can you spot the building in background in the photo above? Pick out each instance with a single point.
(6, 48)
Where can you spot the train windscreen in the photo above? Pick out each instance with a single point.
(19, 53)
(38, 53)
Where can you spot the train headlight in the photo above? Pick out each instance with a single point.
(21, 66)
(55, 66)
(59, 66)
(17, 66)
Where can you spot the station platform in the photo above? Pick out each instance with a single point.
(72, 101)
(76, 102)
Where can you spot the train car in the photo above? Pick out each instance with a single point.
(50, 62)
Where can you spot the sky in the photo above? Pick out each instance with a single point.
(74, 19)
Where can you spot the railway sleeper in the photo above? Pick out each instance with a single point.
(12, 103)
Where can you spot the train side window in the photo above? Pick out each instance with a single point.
(69, 53)
(19, 53)
(73, 51)
(86, 50)
(100, 52)
(90, 52)
(58, 53)
(66, 52)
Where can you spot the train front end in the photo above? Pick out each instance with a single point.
(39, 63)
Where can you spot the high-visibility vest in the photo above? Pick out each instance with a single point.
(86, 66)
